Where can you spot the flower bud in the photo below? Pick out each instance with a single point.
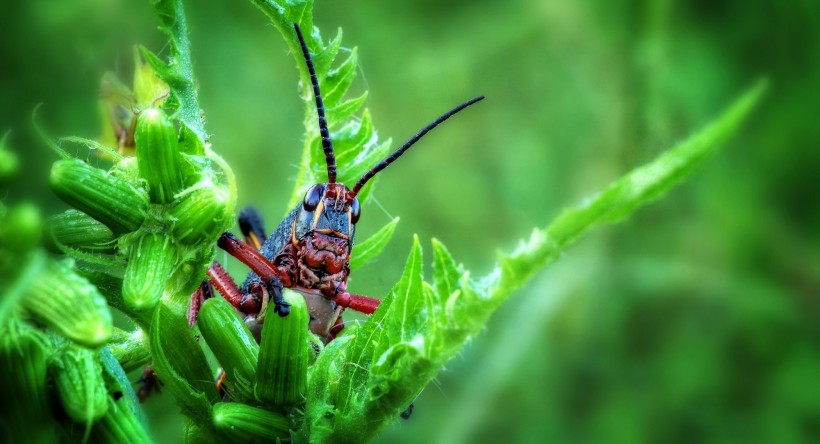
(66, 302)
(75, 229)
(232, 343)
(243, 423)
(25, 409)
(158, 157)
(150, 264)
(79, 382)
(110, 200)
(281, 376)
(202, 214)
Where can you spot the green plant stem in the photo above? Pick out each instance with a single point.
(180, 75)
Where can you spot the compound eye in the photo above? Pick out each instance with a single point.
(355, 209)
(313, 197)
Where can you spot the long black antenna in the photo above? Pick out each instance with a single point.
(383, 164)
(327, 146)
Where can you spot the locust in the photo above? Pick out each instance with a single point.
(309, 251)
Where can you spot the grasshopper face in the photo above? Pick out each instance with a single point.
(322, 236)
(327, 209)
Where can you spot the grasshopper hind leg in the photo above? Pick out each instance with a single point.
(252, 226)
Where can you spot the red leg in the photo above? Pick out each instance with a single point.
(260, 265)
(202, 293)
(248, 256)
(224, 284)
(362, 304)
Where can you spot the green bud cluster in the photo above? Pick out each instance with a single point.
(115, 202)
(149, 266)
(54, 324)
(158, 157)
(155, 211)
(272, 373)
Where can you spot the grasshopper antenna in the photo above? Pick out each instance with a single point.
(327, 146)
(384, 163)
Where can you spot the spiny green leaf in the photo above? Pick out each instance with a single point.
(345, 110)
(404, 319)
(420, 327)
(446, 273)
(390, 330)
(324, 58)
(338, 81)
(349, 141)
(179, 73)
(351, 138)
(620, 199)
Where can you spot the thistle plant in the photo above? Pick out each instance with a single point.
(143, 231)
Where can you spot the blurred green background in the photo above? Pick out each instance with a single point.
(696, 321)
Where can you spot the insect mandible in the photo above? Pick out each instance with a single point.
(310, 249)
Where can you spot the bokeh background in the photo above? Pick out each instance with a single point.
(696, 321)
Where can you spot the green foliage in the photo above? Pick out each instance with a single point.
(355, 141)
(78, 380)
(420, 326)
(146, 263)
(163, 211)
(178, 72)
